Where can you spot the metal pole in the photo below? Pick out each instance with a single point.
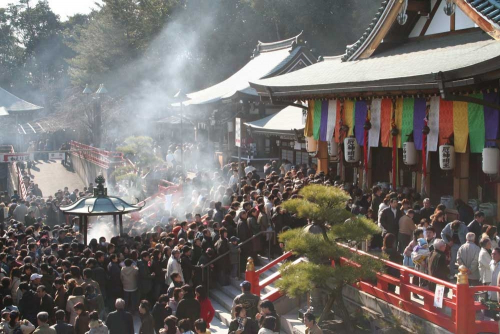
(269, 248)
(182, 142)
(240, 170)
(121, 224)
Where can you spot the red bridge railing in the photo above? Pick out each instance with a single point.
(460, 319)
(100, 157)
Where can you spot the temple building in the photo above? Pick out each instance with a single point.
(215, 109)
(413, 103)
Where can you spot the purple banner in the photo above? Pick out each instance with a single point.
(324, 120)
(360, 110)
(491, 119)
(418, 121)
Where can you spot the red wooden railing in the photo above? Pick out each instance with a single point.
(463, 307)
(100, 157)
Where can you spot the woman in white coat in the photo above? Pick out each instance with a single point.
(484, 261)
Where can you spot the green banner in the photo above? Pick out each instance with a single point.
(476, 125)
(407, 120)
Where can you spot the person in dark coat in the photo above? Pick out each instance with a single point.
(241, 323)
(476, 225)
(186, 265)
(82, 319)
(207, 240)
(376, 198)
(189, 307)
(99, 275)
(389, 219)
(46, 301)
(120, 321)
(160, 312)
(196, 252)
(244, 233)
(159, 274)
(147, 321)
(438, 265)
(61, 326)
(223, 266)
(115, 289)
(29, 304)
(145, 276)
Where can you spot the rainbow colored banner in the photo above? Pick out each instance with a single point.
(469, 123)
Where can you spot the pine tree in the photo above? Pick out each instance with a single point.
(325, 206)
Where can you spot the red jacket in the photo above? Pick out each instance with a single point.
(207, 311)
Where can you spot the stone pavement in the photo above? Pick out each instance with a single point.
(52, 175)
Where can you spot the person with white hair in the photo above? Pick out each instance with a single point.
(120, 321)
(437, 263)
(468, 256)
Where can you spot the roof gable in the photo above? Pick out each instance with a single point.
(268, 60)
(11, 103)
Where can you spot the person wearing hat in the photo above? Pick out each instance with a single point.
(249, 301)
(186, 265)
(35, 280)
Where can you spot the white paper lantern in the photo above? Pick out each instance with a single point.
(446, 157)
(333, 148)
(352, 152)
(491, 157)
(409, 153)
(311, 144)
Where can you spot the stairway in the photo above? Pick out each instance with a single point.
(222, 300)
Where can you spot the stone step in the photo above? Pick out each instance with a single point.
(291, 324)
(221, 312)
(220, 297)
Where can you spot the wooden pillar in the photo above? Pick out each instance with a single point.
(85, 224)
(461, 176)
(323, 158)
(498, 201)
(80, 224)
(121, 224)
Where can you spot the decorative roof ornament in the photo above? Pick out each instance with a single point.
(402, 16)
(449, 7)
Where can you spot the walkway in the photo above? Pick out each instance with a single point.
(52, 176)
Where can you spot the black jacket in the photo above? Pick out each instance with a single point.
(120, 322)
(244, 233)
(188, 308)
(145, 278)
(29, 306)
(47, 305)
(115, 286)
(187, 268)
(101, 278)
(390, 224)
(160, 312)
(250, 327)
(63, 328)
(475, 227)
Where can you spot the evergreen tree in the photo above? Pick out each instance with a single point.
(325, 206)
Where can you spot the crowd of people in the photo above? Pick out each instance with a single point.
(156, 270)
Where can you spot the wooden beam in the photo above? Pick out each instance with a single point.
(422, 7)
(428, 22)
(478, 19)
(452, 22)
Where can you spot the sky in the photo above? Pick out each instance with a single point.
(63, 8)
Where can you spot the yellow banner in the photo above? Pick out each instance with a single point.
(399, 119)
(308, 130)
(460, 126)
(349, 116)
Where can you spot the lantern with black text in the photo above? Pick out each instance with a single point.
(446, 157)
(409, 153)
(311, 145)
(352, 152)
(491, 157)
(333, 149)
